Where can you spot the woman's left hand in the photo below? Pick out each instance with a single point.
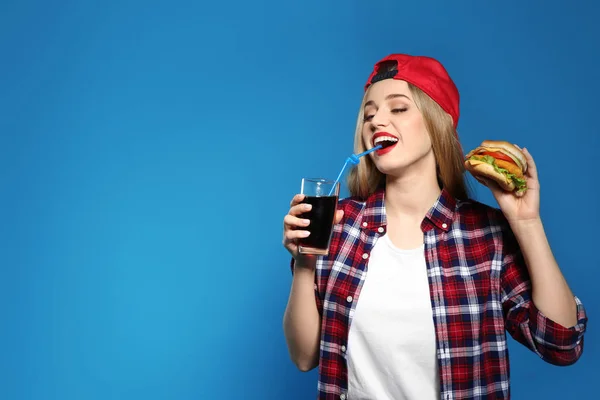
(525, 208)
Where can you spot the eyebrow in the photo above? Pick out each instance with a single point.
(388, 97)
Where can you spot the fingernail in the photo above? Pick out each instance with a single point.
(307, 206)
(304, 233)
(306, 221)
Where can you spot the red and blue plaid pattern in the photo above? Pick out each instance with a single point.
(479, 288)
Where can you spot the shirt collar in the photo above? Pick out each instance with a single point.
(440, 215)
(373, 215)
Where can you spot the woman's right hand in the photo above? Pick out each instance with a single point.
(294, 228)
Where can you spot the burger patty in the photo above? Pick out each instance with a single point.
(510, 167)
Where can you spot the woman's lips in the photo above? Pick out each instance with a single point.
(387, 145)
(385, 150)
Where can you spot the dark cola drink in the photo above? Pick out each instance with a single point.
(321, 218)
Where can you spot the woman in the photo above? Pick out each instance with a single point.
(421, 283)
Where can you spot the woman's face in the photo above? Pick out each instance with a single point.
(392, 117)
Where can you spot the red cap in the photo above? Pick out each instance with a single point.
(427, 74)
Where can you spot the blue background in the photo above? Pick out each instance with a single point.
(149, 151)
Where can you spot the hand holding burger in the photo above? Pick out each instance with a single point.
(501, 162)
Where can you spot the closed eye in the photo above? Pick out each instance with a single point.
(368, 118)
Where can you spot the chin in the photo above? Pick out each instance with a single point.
(392, 168)
(396, 166)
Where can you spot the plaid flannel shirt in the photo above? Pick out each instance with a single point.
(479, 289)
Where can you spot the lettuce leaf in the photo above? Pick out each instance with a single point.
(520, 183)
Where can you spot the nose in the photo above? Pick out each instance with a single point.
(379, 119)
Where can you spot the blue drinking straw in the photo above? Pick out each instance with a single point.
(353, 159)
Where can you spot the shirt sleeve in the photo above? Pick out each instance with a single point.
(526, 324)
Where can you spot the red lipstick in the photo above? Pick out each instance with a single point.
(387, 145)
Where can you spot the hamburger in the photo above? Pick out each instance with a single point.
(501, 162)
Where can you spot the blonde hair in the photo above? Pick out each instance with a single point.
(364, 179)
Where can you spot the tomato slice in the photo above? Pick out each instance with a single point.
(499, 156)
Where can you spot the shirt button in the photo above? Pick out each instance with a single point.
(365, 224)
(349, 299)
(444, 225)
(344, 349)
(380, 230)
(365, 256)
(342, 396)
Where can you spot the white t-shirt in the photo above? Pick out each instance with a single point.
(391, 344)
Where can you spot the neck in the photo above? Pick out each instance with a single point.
(411, 195)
